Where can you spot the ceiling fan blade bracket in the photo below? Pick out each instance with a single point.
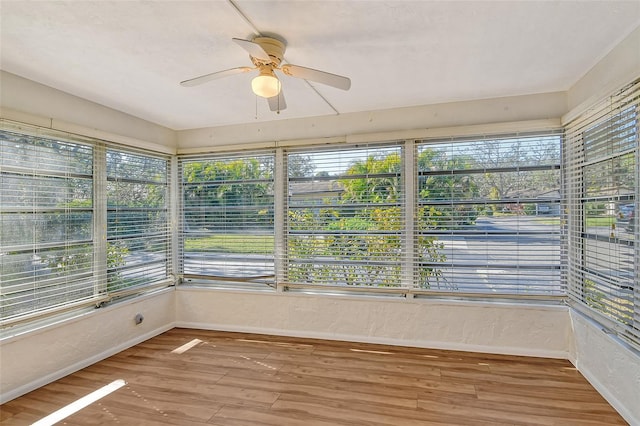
(254, 49)
(263, 50)
(333, 80)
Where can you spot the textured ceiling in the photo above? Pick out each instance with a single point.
(131, 55)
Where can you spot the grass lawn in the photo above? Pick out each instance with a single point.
(547, 220)
(601, 221)
(249, 244)
(591, 221)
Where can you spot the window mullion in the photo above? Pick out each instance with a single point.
(100, 219)
(279, 210)
(409, 191)
(174, 216)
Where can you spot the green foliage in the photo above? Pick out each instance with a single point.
(79, 259)
(234, 192)
(360, 242)
(116, 257)
(373, 190)
(619, 308)
(447, 187)
(344, 253)
(428, 249)
(67, 261)
(592, 296)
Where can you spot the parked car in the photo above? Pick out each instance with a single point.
(631, 224)
(624, 211)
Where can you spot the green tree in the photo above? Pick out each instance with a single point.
(235, 192)
(383, 188)
(437, 182)
(299, 165)
(364, 230)
(508, 154)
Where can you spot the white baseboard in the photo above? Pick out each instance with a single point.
(606, 394)
(454, 346)
(28, 387)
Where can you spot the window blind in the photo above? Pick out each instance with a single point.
(137, 192)
(345, 216)
(227, 216)
(488, 215)
(81, 222)
(602, 181)
(46, 224)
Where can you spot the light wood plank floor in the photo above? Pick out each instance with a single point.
(241, 379)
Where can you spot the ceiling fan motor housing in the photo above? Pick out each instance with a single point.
(274, 48)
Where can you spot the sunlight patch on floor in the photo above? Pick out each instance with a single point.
(79, 404)
(182, 349)
(371, 352)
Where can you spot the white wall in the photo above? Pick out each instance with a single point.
(612, 368)
(543, 106)
(619, 67)
(33, 103)
(33, 359)
(507, 328)
(608, 364)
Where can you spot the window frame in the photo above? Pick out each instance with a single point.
(453, 150)
(591, 291)
(358, 267)
(243, 277)
(95, 278)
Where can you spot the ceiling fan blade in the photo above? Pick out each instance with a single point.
(329, 79)
(277, 103)
(254, 49)
(214, 76)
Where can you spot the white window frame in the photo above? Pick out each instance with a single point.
(601, 292)
(96, 277)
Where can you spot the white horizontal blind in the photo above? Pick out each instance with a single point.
(138, 239)
(46, 223)
(227, 216)
(602, 198)
(345, 221)
(488, 215)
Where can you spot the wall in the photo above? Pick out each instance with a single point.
(370, 123)
(507, 328)
(35, 358)
(608, 364)
(619, 67)
(30, 102)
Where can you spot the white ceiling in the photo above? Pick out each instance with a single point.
(131, 55)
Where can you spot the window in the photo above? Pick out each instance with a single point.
(228, 218)
(488, 215)
(137, 217)
(81, 222)
(602, 185)
(473, 215)
(46, 223)
(345, 217)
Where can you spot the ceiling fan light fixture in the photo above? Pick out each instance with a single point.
(266, 84)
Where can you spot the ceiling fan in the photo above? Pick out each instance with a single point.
(266, 54)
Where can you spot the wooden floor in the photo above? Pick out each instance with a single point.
(241, 379)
